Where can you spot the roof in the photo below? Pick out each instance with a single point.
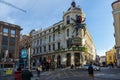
(115, 2)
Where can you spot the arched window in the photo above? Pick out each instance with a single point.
(68, 20)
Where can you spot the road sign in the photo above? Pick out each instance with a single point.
(24, 53)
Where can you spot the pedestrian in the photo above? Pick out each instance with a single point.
(72, 66)
(91, 71)
(39, 69)
(26, 74)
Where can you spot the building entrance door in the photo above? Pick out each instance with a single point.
(77, 59)
(68, 62)
(58, 61)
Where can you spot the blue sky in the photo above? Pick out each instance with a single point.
(44, 13)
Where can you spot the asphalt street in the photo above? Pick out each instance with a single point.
(76, 74)
(73, 74)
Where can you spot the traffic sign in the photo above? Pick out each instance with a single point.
(24, 53)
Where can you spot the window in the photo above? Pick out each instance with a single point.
(68, 43)
(49, 48)
(53, 37)
(11, 52)
(58, 45)
(40, 49)
(44, 48)
(12, 39)
(59, 30)
(12, 32)
(37, 50)
(67, 32)
(12, 47)
(37, 42)
(68, 20)
(5, 30)
(49, 38)
(33, 51)
(40, 41)
(49, 30)
(5, 38)
(4, 47)
(53, 46)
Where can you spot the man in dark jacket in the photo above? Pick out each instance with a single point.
(91, 71)
(26, 75)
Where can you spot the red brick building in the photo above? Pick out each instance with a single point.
(9, 41)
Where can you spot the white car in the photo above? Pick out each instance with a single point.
(85, 67)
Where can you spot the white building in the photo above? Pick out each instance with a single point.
(62, 43)
(102, 60)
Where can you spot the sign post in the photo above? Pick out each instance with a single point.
(24, 56)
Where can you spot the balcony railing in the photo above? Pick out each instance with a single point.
(79, 48)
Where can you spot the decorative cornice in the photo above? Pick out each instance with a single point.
(116, 11)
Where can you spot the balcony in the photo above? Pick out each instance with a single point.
(78, 48)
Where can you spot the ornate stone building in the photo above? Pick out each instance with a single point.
(116, 16)
(111, 56)
(9, 39)
(66, 42)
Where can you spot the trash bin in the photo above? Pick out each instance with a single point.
(18, 75)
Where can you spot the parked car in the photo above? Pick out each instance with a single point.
(85, 67)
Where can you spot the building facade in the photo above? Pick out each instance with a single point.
(9, 39)
(103, 61)
(116, 16)
(65, 43)
(111, 56)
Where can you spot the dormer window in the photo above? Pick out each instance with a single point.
(68, 20)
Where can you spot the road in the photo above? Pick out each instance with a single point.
(74, 74)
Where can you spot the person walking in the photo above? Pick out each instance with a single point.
(91, 71)
(39, 69)
(26, 74)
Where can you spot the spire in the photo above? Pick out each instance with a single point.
(73, 4)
